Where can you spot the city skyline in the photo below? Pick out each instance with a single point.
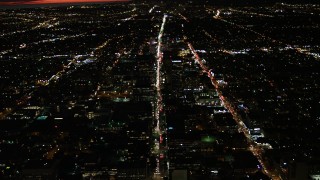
(160, 91)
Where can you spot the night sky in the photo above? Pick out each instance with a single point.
(224, 2)
(21, 2)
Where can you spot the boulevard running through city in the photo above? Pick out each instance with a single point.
(253, 147)
(159, 129)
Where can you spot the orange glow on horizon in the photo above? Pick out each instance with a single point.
(22, 2)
